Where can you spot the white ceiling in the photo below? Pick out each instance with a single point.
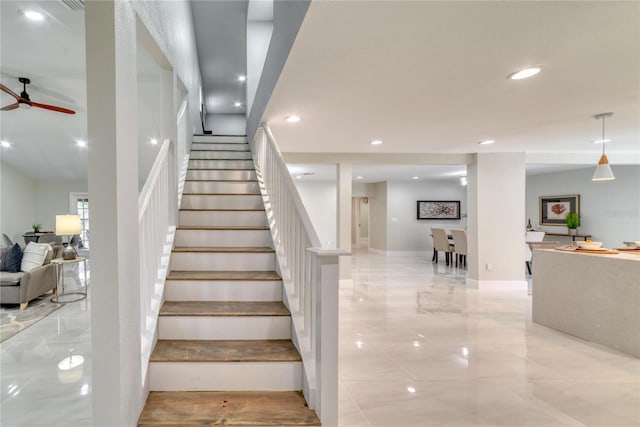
(221, 34)
(431, 77)
(52, 55)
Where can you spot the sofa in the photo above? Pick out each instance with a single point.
(23, 286)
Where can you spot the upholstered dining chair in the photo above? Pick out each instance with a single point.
(441, 244)
(460, 246)
(531, 236)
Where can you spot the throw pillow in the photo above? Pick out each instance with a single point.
(34, 255)
(12, 259)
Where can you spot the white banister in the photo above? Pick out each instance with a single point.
(156, 233)
(309, 274)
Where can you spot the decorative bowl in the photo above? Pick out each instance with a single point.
(589, 245)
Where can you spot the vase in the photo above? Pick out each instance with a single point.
(573, 231)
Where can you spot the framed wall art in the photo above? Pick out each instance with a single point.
(438, 209)
(553, 209)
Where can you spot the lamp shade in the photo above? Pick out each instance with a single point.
(67, 225)
(603, 170)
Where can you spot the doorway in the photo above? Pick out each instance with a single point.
(360, 222)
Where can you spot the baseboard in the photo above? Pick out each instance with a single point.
(496, 284)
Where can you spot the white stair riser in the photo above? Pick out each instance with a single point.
(219, 146)
(192, 201)
(222, 261)
(223, 290)
(224, 327)
(220, 164)
(220, 138)
(204, 155)
(221, 187)
(222, 218)
(223, 238)
(225, 175)
(225, 376)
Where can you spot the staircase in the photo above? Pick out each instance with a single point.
(224, 354)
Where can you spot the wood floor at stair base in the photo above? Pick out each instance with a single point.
(255, 409)
(225, 327)
(223, 290)
(232, 376)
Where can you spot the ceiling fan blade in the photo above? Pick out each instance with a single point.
(52, 108)
(10, 107)
(9, 91)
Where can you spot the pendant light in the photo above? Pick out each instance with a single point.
(603, 170)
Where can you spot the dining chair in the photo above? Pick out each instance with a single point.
(460, 246)
(441, 244)
(531, 236)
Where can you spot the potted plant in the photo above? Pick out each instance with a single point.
(572, 220)
(36, 227)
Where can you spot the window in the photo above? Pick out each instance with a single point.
(79, 204)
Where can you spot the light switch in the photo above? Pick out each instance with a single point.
(394, 219)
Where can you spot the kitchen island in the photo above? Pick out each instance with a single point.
(591, 296)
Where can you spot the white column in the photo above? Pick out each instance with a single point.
(343, 223)
(113, 188)
(496, 221)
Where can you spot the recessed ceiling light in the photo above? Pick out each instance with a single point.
(292, 119)
(359, 177)
(242, 78)
(463, 181)
(5, 144)
(600, 141)
(524, 74)
(416, 177)
(486, 142)
(376, 142)
(411, 389)
(153, 141)
(237, 104)
(33, 15)
(299, 177)
(81, 143)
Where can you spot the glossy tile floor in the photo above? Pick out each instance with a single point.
(416, 349)
(419, 349)
(38, 385)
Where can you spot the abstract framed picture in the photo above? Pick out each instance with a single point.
(438, 209)
(553, 209)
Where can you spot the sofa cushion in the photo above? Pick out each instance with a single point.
(12, 258)
(10, 279)
(34, 255)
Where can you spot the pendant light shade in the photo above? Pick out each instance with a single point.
(603, 170)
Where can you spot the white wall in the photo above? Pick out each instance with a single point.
(17, 205)
(287, 18)
(378, 216)
(409, 233)
(320, 201)
(227, 124)
(52, 198)
(258, 39)
(609, 210)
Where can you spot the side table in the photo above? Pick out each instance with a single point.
(72, 296)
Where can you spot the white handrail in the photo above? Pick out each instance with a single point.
(156, 233)
(309, 274)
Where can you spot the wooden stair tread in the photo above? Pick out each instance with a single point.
(223, 227)
(223, 308)
(221, 180)
(224, 275)
(200, 193)
(219, 151)
(219, 169)
(225, 351)
(223, 249)
(221, 408)
(223, 210)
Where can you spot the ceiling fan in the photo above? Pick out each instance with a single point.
(25, 101)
